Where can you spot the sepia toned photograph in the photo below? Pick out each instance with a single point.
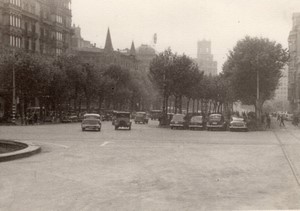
(147, 105)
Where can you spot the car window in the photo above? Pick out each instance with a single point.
(215, 117)
(196, 119)
(91, 121)
(123, 115)
(178, 118)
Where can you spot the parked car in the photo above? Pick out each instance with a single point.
(91, 124)
(216, 121)
(237, 123)
(141, 117)
(122, 120)
(197, 122)
(178, 121)
(155, 114)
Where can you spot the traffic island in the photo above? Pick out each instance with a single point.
(11, 150)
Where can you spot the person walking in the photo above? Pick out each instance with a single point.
(281, 121)
(268, 126)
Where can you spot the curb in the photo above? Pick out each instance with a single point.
(30, 149)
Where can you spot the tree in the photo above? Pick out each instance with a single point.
(254, 69)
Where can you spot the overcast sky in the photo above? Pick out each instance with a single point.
(179, 24)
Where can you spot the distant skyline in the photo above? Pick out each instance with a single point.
(181, 24)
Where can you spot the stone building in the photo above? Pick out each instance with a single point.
(294, 64)
(280, 99)
(36, 26)
(145, 54)
(106, 56)
(205, 59)
(42, 26)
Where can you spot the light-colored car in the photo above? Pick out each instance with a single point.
(91, 124)
(196, 122)
(237, 123)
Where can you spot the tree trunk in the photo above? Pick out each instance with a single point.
(180, 104)
(187, 105)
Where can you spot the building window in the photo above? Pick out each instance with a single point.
(59, 36)
(15, 41)
(15, 21)
(15, 2)
(58, 51)
(59, 19)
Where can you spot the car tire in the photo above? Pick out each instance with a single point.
(129, 127)
(83, 129)
(116, 127)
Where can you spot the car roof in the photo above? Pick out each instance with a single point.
(91, 115)
(122, 112)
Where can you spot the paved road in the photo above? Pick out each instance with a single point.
(151, 168)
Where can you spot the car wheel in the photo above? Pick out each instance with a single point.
(83, 129)
(116, 127)
(129, 128)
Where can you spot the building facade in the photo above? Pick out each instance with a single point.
(42, 26)
(280, 99)
(294, 64)
(205, 59)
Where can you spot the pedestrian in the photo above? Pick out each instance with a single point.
(281, 121)
(35, 118)
(278, 117)
(268, 126)
(296, 120)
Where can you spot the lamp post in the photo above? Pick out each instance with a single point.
(13, 119)
(257, 96)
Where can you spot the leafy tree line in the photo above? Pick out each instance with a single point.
(182, 85)
(253, 69)
(67, 83)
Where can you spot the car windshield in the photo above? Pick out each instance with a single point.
(178, 117)
(91, 121)
(91, 116)
(123, 115)
(215, 117)
(196, 119)
(237, 119)
(140, 114)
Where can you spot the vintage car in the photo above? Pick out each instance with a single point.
(141, 117)
(122, 120)
(91, 124)
(216, 121)
(238, 123)
(155, 114)
(178, 121)
(197, 122)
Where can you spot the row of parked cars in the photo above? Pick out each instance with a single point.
(213, 122)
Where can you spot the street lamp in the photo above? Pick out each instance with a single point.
(13, 119)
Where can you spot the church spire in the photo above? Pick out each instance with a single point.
(132, 49)
(108, 44)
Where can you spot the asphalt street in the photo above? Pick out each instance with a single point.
(152, 168)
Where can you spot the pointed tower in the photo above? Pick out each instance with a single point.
(108, 44)
(132, 51)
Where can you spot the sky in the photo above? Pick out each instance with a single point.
(179, 24)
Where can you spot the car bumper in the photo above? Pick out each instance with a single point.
(215, 126)
(176, 125)
(196, 126)
(91, 127)
(237, 127)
